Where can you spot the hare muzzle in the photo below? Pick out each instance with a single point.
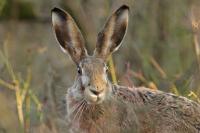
(93, 96)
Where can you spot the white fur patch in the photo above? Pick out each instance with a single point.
(56, 19)
(63, 49)
(85, 80)
(124, 16)
(104, 77)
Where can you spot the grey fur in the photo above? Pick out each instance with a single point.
(94, 105)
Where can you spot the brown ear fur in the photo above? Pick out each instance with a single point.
(68, 34)
(109, 39)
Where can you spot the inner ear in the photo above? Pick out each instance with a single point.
(110, 38)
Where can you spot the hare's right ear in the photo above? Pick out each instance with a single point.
(68, 35)
(110, 38)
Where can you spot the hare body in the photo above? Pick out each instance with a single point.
(94, 105)
(135, 110)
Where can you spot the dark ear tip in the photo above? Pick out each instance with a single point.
(124, 7)
(59, 12)
(55, 9)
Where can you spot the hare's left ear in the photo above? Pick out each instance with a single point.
(110, 38)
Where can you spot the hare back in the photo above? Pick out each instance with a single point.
(158, 111)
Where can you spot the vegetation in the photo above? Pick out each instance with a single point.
(161, 51)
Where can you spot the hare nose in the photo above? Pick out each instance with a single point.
(96, 92)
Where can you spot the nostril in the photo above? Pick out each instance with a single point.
(95, 92)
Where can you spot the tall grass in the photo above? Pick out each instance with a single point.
(22, 89)
(112, 70)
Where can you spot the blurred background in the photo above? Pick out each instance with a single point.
(161, 50)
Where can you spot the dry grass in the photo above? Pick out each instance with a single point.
(21, 87)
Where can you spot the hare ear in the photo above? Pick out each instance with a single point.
(68, 35)
(109, 39)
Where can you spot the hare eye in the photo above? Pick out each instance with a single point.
(79, 70)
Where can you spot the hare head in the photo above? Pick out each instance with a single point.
(93, 84)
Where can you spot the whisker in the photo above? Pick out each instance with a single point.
(74, 108)
(76, 105)
(86, 107)
(79, 108)
(81, 112)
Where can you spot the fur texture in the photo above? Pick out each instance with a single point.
(94, 105)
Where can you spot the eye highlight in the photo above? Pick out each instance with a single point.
(79, 70)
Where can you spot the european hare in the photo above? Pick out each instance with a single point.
(96, 105)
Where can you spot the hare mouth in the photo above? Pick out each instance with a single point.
(91, 98)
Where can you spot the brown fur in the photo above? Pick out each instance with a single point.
(140, 110)
(94, 105)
